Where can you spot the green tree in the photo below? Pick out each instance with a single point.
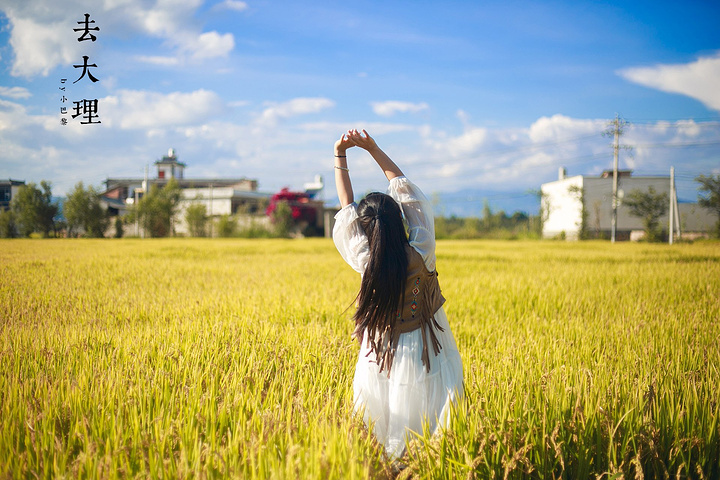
(489, 220)
(283, 220)
(196, 219)
(157, 208)
(119, 230)
(649, 206)
(226, 226)
(8, 229)
(441, 227)
(47, 210)
(255, 229)
(83, 210)
(473, 227)
(98, 219)
(544, 212)
(34, 209)
(710, 199)
(74, 209)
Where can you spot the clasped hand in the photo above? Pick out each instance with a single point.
(354, 138)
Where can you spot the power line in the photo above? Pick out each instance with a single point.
(676, 145)
(541, 146)
(686, 124)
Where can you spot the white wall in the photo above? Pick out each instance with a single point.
(217, 201)
(694, 218)
(565, 208)
(565, 211)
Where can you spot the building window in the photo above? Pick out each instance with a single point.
(161, 173)
(5, 194)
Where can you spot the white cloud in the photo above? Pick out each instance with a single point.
(468, 142)
(172, 21)
(560, 127)
(389, 108)
(523, 158)
(133, 109)
(165, 18)
(449, 170)
(15, 92)
(236, 5)
(159, 60)
(688, 128)
(210, 45)
(10, 114)
(464, 118)
(39, 47)
(294, 107)
(41, 33)
(217, 140)
(540, 159)
(699, 79)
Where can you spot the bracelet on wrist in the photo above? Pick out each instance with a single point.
(341, 156)
(342, 168)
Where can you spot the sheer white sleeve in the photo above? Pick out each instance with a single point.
(419, 215)
(350, 238)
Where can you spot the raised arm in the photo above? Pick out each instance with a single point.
(342, 173)
(366, 142)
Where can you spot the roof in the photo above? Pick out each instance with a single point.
(115, 202)
(249, 194)
(183, 182)
(170, 158)
(168, 161)
(624, 175)
(10, 182)
(621, 173)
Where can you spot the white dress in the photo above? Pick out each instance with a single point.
(398, 405)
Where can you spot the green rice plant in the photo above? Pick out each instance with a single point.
(232, 358)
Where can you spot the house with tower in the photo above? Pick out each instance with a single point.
(221, 196)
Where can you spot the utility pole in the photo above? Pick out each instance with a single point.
(145, 192)
(137, 201)
(672, 204)
(677, 215)
(616, 129)
(616, 146)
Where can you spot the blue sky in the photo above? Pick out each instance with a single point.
(474, 100)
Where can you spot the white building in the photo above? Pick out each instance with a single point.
(8, 190)
(168, 166)
(222, 200)
(562, 206)
(219, 195)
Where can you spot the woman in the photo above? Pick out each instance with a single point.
(409, 370)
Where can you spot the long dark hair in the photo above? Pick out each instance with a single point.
(383, 284)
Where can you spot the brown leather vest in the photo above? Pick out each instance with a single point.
(422, 299)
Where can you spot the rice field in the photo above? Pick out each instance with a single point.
(211, 358)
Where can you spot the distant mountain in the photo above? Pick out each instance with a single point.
(469, 202)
